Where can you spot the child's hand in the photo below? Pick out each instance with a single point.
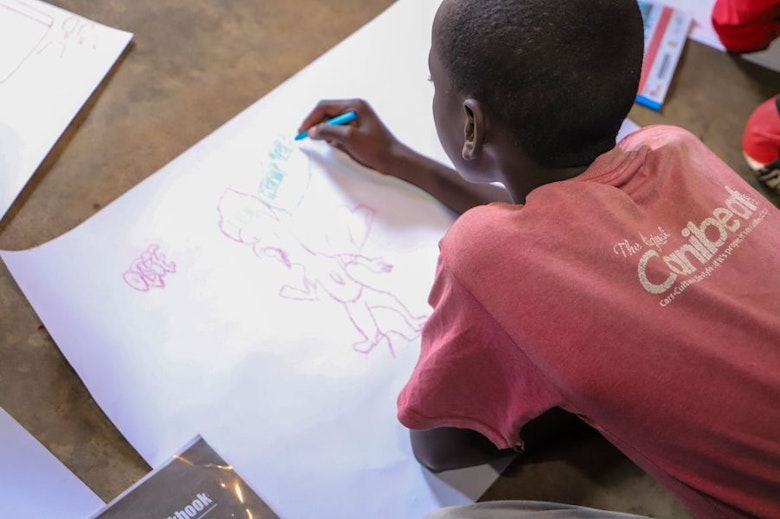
(369, 142)
(367, 139)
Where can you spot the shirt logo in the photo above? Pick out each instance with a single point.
(708, 244)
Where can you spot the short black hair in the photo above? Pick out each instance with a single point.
(563, 74)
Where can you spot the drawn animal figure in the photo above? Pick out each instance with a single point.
(344, 276)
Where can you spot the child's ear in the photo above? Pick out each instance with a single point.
(474, 130)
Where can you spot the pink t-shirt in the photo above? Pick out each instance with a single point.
(642, 295)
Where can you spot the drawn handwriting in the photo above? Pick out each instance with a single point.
(278, 156)
(149, 270)
(32, 24)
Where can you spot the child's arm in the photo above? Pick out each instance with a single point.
(447, 448)
(369, 142)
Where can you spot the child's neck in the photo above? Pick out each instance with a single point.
(520, 177)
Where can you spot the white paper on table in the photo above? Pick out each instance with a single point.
(33, 483)
(51, 62)
(270, 295)
(701, 10)
(628, 127)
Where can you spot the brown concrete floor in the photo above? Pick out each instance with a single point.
(193, 65)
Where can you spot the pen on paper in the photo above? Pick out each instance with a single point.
(341, 119)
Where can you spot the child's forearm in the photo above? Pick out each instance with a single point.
(448, 448)
(441, 182)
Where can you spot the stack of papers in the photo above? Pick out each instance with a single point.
(51, 62)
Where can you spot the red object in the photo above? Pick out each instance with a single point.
(761, 140)
(655, 44)
(637, 295)
(746, 25)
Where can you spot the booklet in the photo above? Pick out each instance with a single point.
(194, 483)
(666, 31)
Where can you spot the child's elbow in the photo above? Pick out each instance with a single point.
(449, 448)
(432, 459)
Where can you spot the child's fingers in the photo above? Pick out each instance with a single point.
(333, 133)
(327, 109)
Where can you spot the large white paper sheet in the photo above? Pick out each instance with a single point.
(51, 61)
(269, 295)
(33, 483)
(701, 10)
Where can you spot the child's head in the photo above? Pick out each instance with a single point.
(558, 75)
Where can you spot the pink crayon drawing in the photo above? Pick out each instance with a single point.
(335, 268)
(149, 271)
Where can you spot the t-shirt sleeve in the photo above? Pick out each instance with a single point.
(471, 374)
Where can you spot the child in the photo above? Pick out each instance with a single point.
(635, 285)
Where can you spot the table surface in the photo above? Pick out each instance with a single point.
(192, 66)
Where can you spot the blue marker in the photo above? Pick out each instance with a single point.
(341, 119)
